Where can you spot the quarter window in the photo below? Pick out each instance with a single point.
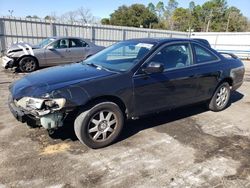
(203, 55)
(174, 56)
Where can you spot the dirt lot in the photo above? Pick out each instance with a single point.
(187, 147)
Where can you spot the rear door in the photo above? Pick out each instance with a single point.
(58, 53)
(174, 87)
(78, 50)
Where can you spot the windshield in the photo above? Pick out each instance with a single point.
(121, 56)
(45, 42)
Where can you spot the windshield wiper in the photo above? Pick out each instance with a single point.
(100, 67)
(92, 64)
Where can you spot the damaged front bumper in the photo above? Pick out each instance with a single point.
(48, 119)
(7, 62)
(17, 113)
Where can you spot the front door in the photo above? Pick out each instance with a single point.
(174, 87)
(58, 53)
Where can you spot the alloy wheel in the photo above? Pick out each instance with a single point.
(222, 97)
(29, 65)
(102, 125)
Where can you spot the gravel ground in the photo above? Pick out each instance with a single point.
(187, 147)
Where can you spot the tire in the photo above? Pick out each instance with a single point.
(28, 64)
(100, 125)
(220, 99)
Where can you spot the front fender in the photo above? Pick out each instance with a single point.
(75, 95)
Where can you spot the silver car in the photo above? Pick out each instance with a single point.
(50, 52)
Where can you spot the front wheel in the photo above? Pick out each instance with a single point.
(220, 98)
(100, 125)
(28, 64)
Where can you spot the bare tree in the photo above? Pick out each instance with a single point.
(169, 11)
(80, 15)
(85, 15)
(51, 17)
(69, 17)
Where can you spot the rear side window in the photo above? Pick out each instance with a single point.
(77, 43)
(203, 55)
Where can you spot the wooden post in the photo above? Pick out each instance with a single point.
(53, 28)
(2, 36)
(149, 34)
(123, 34)
(93, 34)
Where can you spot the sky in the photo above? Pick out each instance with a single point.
(99, 8)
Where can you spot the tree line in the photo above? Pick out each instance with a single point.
(213, 15)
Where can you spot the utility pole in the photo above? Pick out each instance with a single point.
(228, 21)
(189, 30)
(209, 20)
(210, 17)
(231, 15)
(189, 21)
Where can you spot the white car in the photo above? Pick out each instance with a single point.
(50, 52)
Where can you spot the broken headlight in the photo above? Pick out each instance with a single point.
(39, 104)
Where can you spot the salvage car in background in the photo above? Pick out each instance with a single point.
(50, 52)
(127, 80)
(225, 54)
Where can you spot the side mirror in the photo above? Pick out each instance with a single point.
(50, 48)
(154, 67)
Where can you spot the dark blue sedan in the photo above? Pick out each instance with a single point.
(128, 80)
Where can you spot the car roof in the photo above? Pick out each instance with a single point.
(60, 37)
(159, 40)
(143, 40)
(203, 41)
(65, 37)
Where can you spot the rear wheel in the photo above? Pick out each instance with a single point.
(220, 98)
(100, 125)
(28, 64)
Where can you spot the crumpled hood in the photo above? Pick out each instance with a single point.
(45, 81)
(17, 47)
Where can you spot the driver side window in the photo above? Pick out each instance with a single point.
(174, 56)
(60, 44)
